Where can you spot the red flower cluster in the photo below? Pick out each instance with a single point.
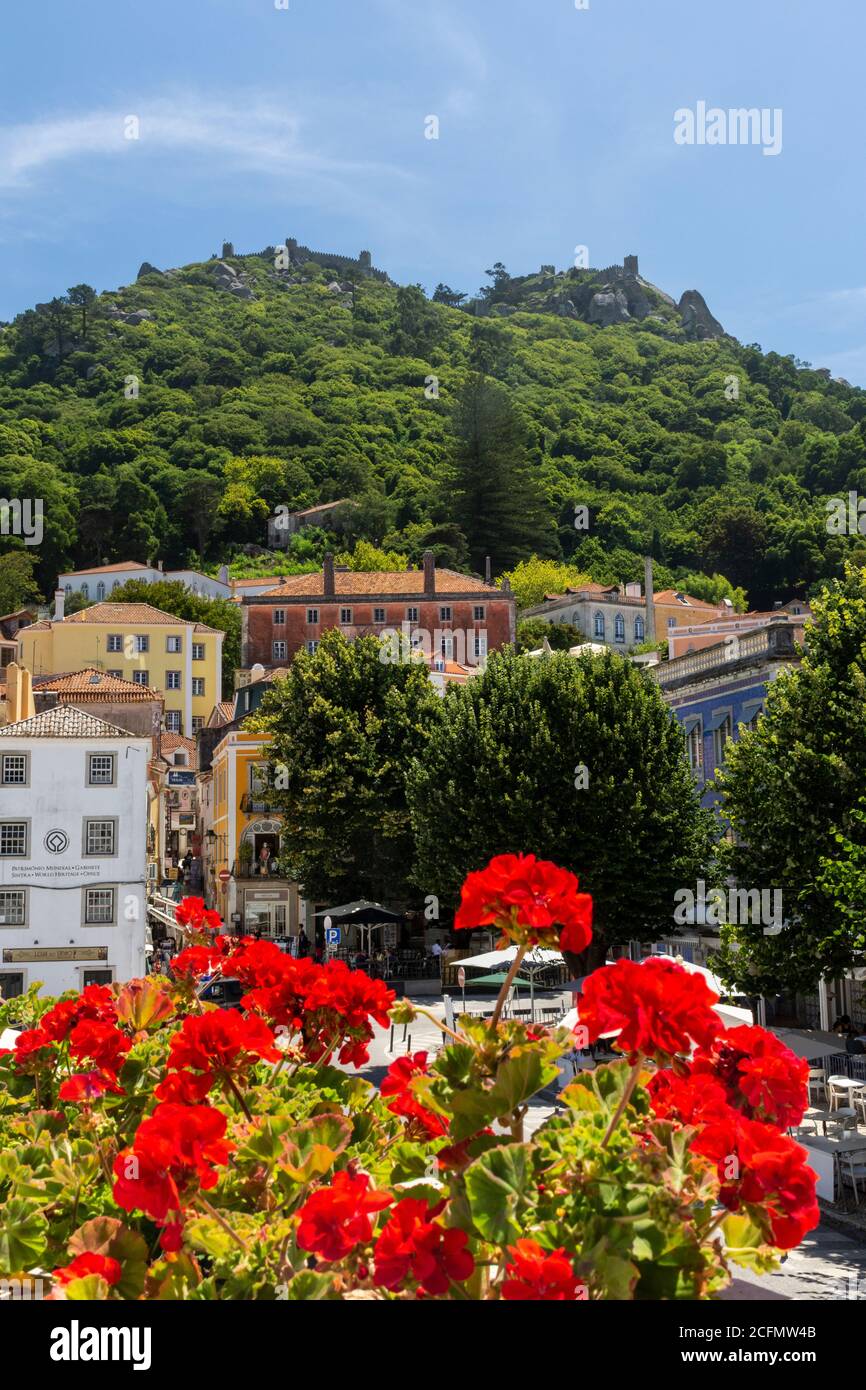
(740, 1090)
(330, 1005)
(763, 1170)
(760, 1075)
(96, 1002)
(657, 1008)
(412, 1246)
(192, 913)
(335, 1219)
(220, 1043)
(402, 1100)
(539, 1275)
(89, 1263)
(175, 1152)
(532, 900)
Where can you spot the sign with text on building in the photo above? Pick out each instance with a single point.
(181, 779)
(19, 955)
(77, 874)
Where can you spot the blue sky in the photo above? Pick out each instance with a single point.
(555, 130)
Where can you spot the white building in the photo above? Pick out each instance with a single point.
(98, 584)
(73, 849)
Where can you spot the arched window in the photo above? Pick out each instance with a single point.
(85, 591)
(114, 585)
(68, 590)
(638, 629)
(598, 625)
(619, 628)
(100, 590)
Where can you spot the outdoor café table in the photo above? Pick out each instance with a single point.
(849, 1082)
(821, 1117)
(823, 1155)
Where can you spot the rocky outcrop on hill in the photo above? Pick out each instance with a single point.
(698, 322)
(231, 280)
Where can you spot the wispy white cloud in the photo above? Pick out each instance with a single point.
(444, 28)
(255, 135)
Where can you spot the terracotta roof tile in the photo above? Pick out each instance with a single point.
(107, 569)
(121, 614)
(359, 583)
(85, 687)
(64, 721)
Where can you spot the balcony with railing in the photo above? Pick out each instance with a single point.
(775, 642)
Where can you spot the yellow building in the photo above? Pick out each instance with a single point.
(182, 660)
(245, 843)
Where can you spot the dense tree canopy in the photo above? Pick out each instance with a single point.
(576, 760)
(178, 434)
(793, 791)
(345, 725)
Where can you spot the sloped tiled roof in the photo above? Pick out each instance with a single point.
(170, 743)
(223, 713)
(107, 569)
(356, 583)
(123, 614)
(64, 721)
(672, 596)
(248, 583)
(83, 685)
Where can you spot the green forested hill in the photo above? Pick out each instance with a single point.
(178, 434)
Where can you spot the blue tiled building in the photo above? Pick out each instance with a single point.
(718, 689)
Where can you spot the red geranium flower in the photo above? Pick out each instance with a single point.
(33, 1049)
(89, 1085)
(192, 913)
(335, 1219)
(761, 1076)
(764, 1171)
(689, 1099)
(184, 1087)
(413, 1247)
(330, 1005)
(174, 1152)
(94, 1002)
(89, 1263)
(539, 1275)
(658, 1008)
(397, 1085)
(532, 900)
(99, 1041)
(221, 1043)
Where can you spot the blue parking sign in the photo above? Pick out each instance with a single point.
(332, 936)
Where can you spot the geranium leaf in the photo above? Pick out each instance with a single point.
(496, 1186)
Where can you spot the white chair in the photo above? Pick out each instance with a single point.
(817, 1086)
(852, 1165)
(838, 1093)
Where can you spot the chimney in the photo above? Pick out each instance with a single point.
(650, 598)
(429, 573)
(328, 575)
(488, 571)
(59, 604)
(19, 694)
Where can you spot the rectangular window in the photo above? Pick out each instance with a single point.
(14, 767)
(378, 615)
(312, 645)
(279, 617)
(98, 907)
(695, 746)
(96, 977)
(446, 646)
(100, 837)
(13, 839)
(312, 616)
(100, 769)
(279, 651)
(198, 685)
(445, 614)
(479, 612)
(13, 907)
(141, 678)
(115, 642)
(11, 983)
(723, 731)
(412, 615)
(346, 617)
(173, 644)
(142, 642)
(197, 722)
(119, 674)
(198, 651)
(480, 645)
(172, 680)
(172, 721)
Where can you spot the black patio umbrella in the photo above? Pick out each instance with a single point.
(362, 914)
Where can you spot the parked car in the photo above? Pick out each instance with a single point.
(226, 993)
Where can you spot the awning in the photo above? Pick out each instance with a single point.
(690, 721)
(362, 911)
(717, 720)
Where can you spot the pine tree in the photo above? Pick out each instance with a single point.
(498, 501)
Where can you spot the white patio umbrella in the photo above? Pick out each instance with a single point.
(536, 959)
